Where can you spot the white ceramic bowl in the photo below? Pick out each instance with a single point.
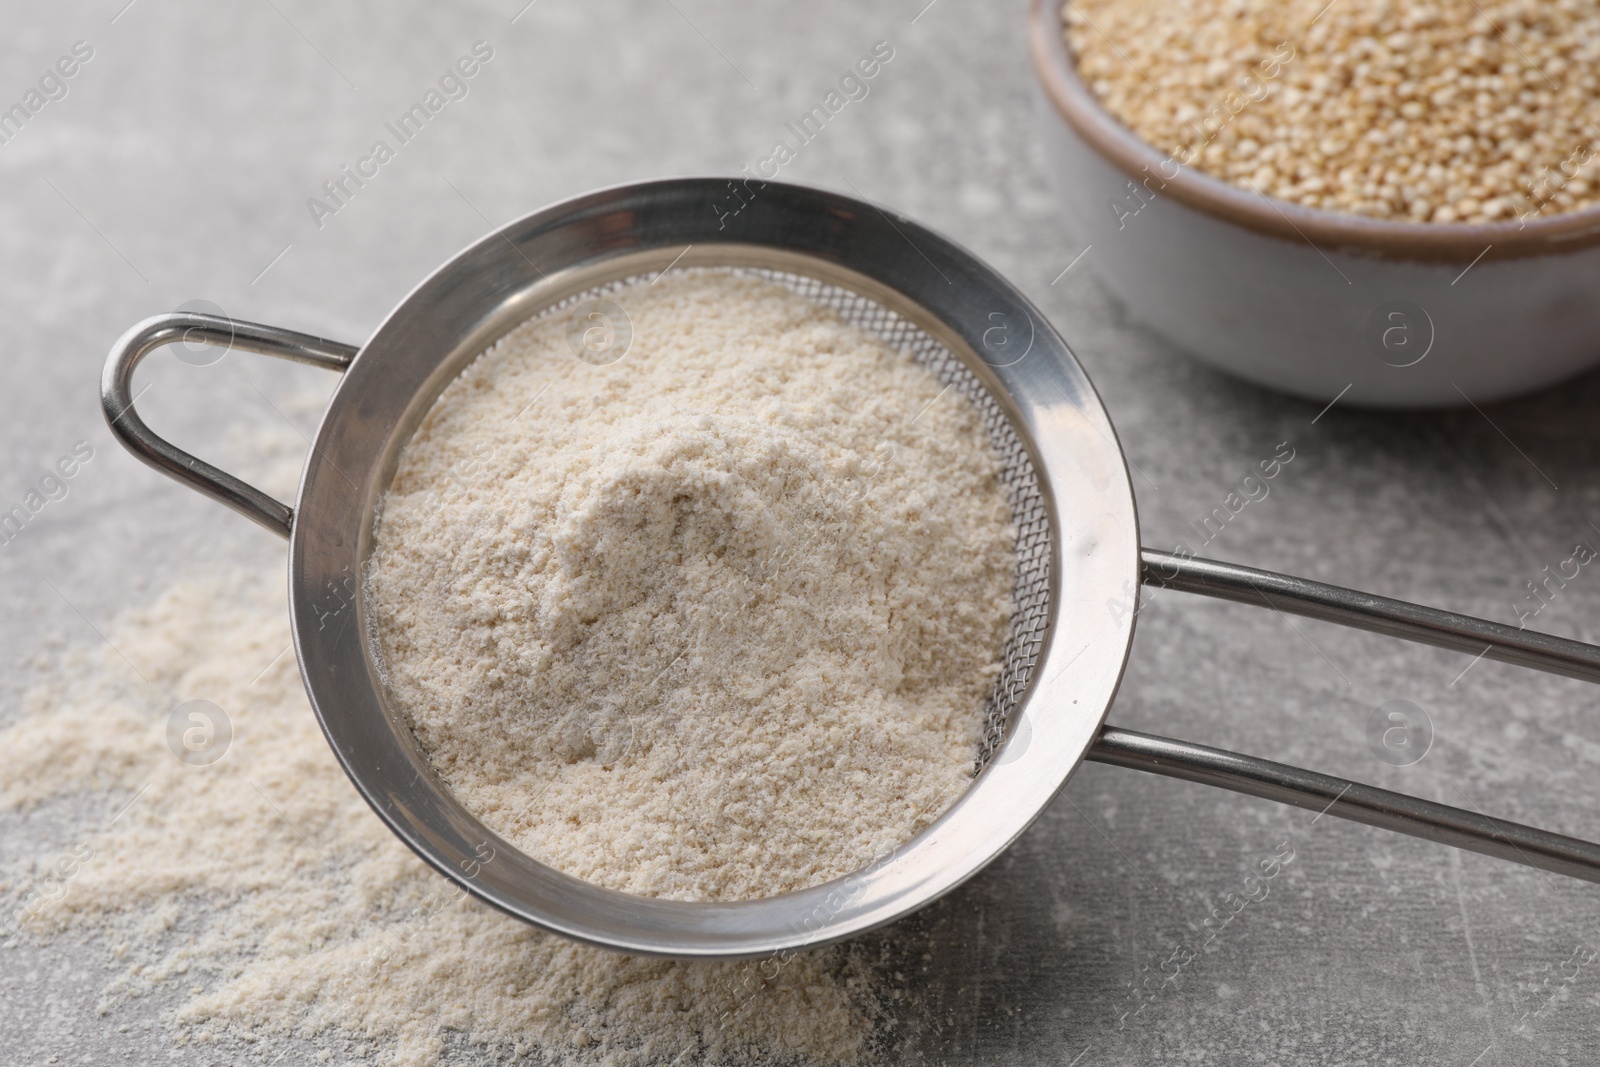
(1316, 303)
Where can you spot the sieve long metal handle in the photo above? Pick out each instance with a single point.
(1326, 794)
(1253, 776)
(1379, 614)
(116, 400)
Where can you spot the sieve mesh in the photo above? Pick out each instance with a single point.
(1031, 592)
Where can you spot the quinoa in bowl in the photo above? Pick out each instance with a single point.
(1445, 111)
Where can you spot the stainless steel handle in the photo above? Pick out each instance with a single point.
(1379, 614)
(116, 400)
(1367, 804)
(1473, 831)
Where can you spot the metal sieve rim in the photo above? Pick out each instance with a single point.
(539, 260)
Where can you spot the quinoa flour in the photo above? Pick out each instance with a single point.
(286, 921)
(712, 622)
(275, 920)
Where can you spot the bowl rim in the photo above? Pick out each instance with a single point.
(1274, 217)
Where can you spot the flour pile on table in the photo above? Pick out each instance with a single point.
(263, 890)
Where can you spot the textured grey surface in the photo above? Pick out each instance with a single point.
(178, 167)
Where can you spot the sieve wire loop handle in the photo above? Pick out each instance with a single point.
(117, 400)
(1326, 794)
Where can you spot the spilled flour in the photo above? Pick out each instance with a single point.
(711, 622)
(262, 890)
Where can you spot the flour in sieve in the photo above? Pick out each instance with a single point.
(713, 622)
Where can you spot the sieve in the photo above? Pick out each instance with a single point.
(1080, 569)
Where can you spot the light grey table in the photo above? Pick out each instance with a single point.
(178, 168)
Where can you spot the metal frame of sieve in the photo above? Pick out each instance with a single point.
(1063, 661)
